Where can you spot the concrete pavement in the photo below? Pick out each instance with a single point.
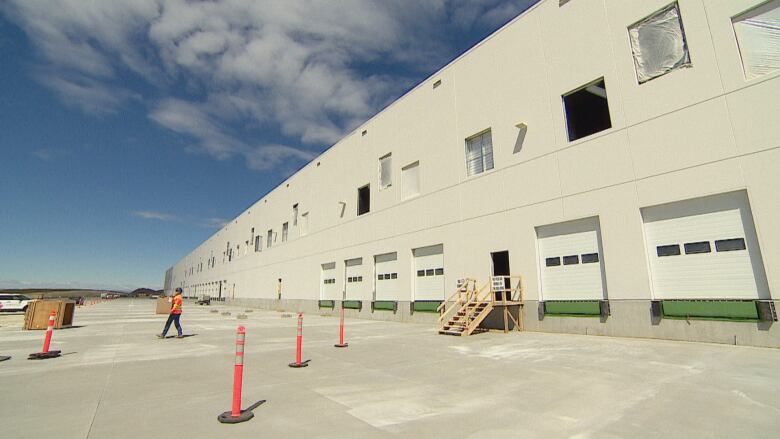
(116, 380)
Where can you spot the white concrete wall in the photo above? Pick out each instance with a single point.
(693, 132)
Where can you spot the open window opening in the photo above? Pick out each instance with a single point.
(658, 44)
(364, 200)
(587, 110)
(285, 231)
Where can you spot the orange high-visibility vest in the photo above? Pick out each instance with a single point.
(176, 305)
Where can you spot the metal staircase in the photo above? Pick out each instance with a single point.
(463, 312)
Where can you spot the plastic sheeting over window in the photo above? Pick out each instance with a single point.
(758, 36)
(410, 180)
(658, 44)
(386, 171)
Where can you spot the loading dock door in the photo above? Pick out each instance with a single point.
(354, 279)
(386, 277)
(704, 248)
(328, 290)
(429, 273)
(570, 261)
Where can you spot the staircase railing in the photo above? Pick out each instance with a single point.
(462, 295)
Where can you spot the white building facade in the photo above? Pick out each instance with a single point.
(622, 157)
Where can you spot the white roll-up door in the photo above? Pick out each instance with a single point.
(704, 248)
(386, 276)
(357, 285)
(429, 273)
(570, 261)
(328, 290)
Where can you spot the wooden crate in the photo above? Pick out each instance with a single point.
(163, 305)
(38, 311)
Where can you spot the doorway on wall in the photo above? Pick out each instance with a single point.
(500, 262)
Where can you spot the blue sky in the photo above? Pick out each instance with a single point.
(131, 130)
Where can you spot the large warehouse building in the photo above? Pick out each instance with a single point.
(622, 157)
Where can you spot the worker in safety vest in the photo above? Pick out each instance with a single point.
(174, 316)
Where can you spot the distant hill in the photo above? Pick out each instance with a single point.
(53, 293)
(145, 292)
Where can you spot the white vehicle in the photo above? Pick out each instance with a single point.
(13, 302)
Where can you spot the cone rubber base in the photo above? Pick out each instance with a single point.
(341, 345)
(302, 364)
(44, 355)
(227, 418)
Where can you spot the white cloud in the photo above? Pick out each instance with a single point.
(150, 214)
(211, 223)
(89, 95)
(305, 71)
(50, 154)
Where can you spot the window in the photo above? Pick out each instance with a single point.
(590, 258)
(571, 260)
(304, 223)
(364, 200)
(552, 262)
(758, 39)
(479, 153)
(728, 245)
(258, 243)
(295, 214)
(658, 44)
(285, 229)
(587, 110)
(269, 238)
(410, 180)
(420, 273)
(693, 248)
(386, 171)
(393, 275)
(667, 250)
(439, 272)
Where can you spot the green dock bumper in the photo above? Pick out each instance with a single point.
(327, 304)
(730, 310)
(384, 305)
(352, 304)
(576, 308)
(426, 305)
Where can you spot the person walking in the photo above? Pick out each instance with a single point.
(174, 315)
(279, 289)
